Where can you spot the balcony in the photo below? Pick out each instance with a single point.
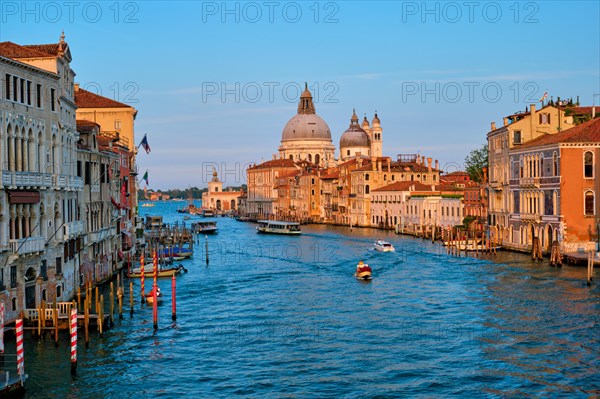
(529, 182)
(27, 245)
(495, 185)
(73, 230)
(26, 180)
(68, 182)
(531, 217)
(100, 235)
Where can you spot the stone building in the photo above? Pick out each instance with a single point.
(553, 188)
(40, 231)
(218, 200)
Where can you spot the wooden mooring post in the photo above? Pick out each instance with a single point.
(590, 268)
(555, 256)
(536, 249)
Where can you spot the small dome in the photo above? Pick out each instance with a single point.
(376, 120)
(365, 123)
(354, 136)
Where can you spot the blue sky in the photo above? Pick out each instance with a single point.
(215, 82)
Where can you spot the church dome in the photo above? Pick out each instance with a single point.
(306, 124)
(354, 136)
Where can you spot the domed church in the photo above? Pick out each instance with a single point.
(306, 136)
(361, 139)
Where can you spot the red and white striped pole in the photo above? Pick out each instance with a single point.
(73, 340)
(1, 327)
(20, 356)
(142, 277)
(155, 265)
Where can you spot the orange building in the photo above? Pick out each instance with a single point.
(554, 184)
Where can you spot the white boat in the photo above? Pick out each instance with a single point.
(204, 227)
(278, 227)
(383, 246)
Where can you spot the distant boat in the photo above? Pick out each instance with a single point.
(207, 213)
(363, 271)
(278, 227)
(383, 246)
(204, 227)
(147, 204)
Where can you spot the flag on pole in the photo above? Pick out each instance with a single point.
(145, 177)
(544, 97)
(144, 143)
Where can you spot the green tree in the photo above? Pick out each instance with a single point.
(475, 162)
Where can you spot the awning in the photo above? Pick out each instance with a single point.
(23, 197)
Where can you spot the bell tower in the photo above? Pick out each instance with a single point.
(376, 137)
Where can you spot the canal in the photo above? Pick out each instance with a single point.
(274, 317)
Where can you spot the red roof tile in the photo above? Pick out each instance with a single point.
(48, 49)
(87, 99)
(405, 186)
(16, 51)
(275, 163)
(588, 132)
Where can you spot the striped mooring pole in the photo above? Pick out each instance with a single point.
(20, 355)
(73, 340)
(142, 276)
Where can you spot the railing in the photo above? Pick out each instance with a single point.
(27, 245)
(26, 179)
(73, 229)
(68, 182)
(99, 235)
(529, 182)
(534, 217)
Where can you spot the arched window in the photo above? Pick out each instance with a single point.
(367, 189)
(317, 159)
(589, 203)
(309, 158)
(555, 164)
(367, 177)
(588, 164)
(291, 157)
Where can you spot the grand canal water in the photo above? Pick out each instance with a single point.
(274, 317)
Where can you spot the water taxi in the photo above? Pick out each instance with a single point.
(207, 213)
(204, 227)
(384, 246)
(277, 227)
(363, 271)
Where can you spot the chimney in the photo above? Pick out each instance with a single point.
(493, 127)
(274, 157)
(484, 170)
(505, 121)
(379, 165)
(429, 164)
(76, 87)
(532, 109)
(437, 165)
(389, 165)
(360, 162)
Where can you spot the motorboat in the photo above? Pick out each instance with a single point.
(383, 246)
(150, 296)
(278, 227)
(204, 227)
(162, 272)
(207, 213)
(363, 271)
